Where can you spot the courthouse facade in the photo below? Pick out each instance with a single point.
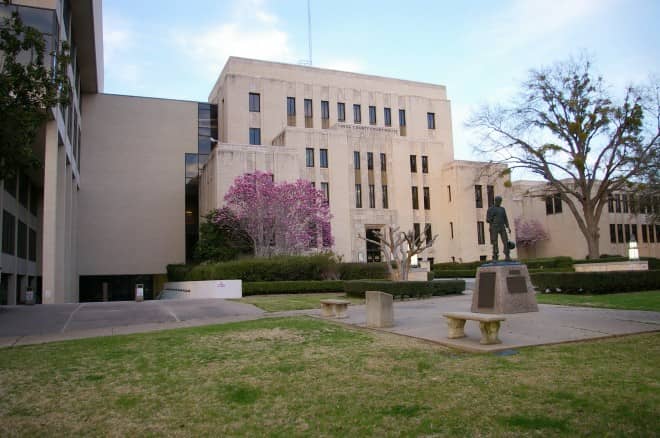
(126, 179)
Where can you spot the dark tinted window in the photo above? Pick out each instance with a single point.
(8, 232)
(388, 116)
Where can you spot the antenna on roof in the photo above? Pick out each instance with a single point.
(308, 61)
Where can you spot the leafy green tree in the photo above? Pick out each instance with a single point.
(565, 128)
(221, 238)
(29, 88)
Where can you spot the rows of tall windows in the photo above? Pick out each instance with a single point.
(624, 233)
(18, 238)
(341, 113)
(628, 203)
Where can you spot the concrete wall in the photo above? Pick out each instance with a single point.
(132, 200)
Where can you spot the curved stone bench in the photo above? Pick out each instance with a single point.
(334, 308)
(488, 324)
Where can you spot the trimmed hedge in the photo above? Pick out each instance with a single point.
(291, 287)
(363, 271)
(459, 273)
(595, 283)
(292, 268)
(549, 263)
(402, 289)
(654, 263)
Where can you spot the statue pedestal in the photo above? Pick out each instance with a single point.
(503, 287)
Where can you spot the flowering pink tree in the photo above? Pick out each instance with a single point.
(280, 218)
(529, 232)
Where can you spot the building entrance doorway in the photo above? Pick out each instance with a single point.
(373, 250)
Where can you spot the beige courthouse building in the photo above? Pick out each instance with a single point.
(126, 179)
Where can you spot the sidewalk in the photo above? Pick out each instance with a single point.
(550, 325)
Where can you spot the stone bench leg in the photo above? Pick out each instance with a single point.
(328, 310)
(489, 331)
(340, 310)
(456, 328)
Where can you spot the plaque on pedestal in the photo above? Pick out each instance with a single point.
(503, 287)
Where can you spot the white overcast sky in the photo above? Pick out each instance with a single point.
(480, 50)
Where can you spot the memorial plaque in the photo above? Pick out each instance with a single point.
(486, 290)
(514, 272)
(516, 284)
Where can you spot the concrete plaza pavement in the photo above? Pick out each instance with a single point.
(550, 325)
(22, 325)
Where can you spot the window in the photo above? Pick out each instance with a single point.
(430, 120)
(22, 240)
(619, 229)
(416, 232)
(548, 205)
(10, 185)
(370, 160)
(413, 163)
(610, 203)
(613, 233)
(449, 192)
(451, 229)
(383, 162)
(557, 202)
(385, 200)
(309, 120)
(425, 164)
(372, 196)
(490, 195)
(32, 245)
(325, 188)
(309, 157)
(372, 115)
(358, 195)
(23, 189)
(255, 102)
(481, 235)
(323, 158)
(255, 135)
(553, 204)
(8, 232)
(325, 114)
(624, 201)
(633, 231)
(402, 117)
(617, 203)
(291, 111)
(341, 112)
(415, 198)
(645, 236)
(428, 233)
(626, 229)
(657, 233)
(427, 198)
(356, 160)
(357, 114)
(387, 116)
(478, 197)
(290, 106)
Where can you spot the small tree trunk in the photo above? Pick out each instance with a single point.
(593, 246)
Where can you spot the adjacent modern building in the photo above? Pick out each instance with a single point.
(126, 179)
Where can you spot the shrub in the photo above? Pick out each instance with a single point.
(597, 282)
(549, 263)
(284, 268)
(452, 266)
(654, 263)
(458, 273)
(177, 272)
(291, 287)
(402, 289)
(363, 271)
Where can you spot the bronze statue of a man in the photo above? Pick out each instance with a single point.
(499, 225)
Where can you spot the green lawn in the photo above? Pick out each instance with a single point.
(630, 301)
(305, 377)
(280, 303)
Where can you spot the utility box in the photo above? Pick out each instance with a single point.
(139, 292)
